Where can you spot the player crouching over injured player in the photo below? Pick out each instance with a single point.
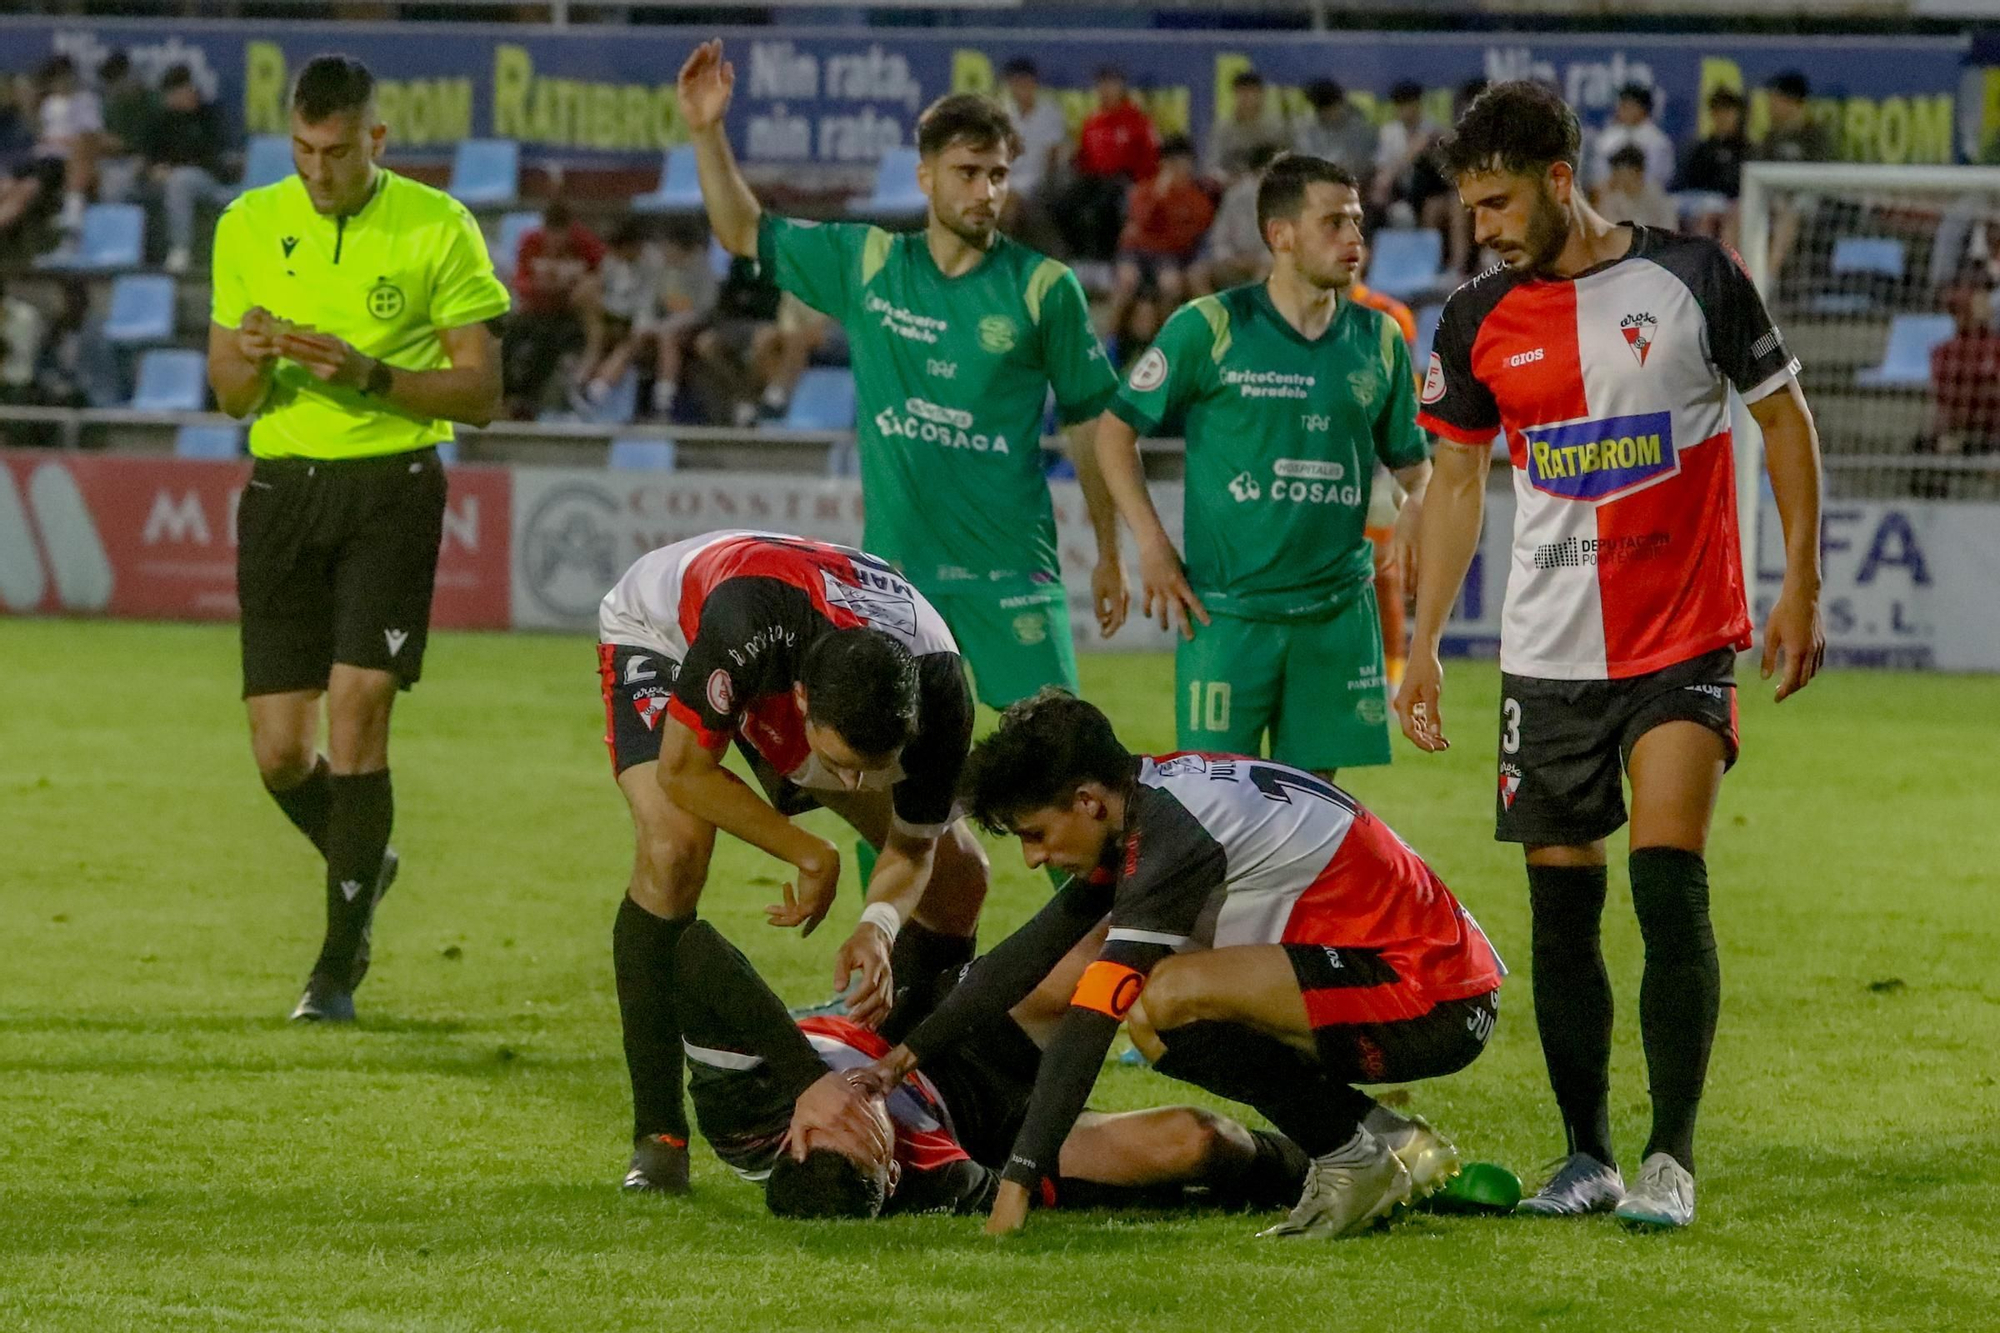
(1270, 940)
(774, 1100)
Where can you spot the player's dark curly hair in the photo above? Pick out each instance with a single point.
(1045, 748)
(863, 684)
(1520, 128)
(826, 1185)
(331, 85)
(979, 122)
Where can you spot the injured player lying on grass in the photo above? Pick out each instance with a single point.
(775, 1100)
(1270, 940)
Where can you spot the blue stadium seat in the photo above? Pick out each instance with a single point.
(486, 173)
(1906, 361)
(641, 454)
(507, 245)
(719, 259)
(1878, 255)
(171, 379)
(896, 192)
(142, 309)
(1427, 328)
(680, 185)
(447, 451)
(208, 442)
(824, 400)
(114, 236)
(267, 161)
(1407, 262)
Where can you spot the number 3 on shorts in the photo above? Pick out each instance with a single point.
(1510, 733)
(1213, 717)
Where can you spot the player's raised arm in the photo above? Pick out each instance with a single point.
(1794, 636)
(707, 82)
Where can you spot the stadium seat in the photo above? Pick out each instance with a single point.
(680, 187)
(824, 400)
(1406, 262)
(114, 236)
(267, 161)
(896, 193)
(1427, 328)
(208, 442)
(719, 259)
(507, 245)
(1906, 361)
(142, 309)
(486, 173)
(641, 454)
(1878, 255)
(171, 379)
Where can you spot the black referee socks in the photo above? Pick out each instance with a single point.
(360, 809)
(308, 804)
(1573, 1000)
(1681, 994)
(643, 954)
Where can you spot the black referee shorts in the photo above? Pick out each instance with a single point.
(335, 562)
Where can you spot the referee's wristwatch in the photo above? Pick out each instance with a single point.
(380, 380)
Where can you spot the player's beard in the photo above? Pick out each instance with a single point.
(1547, 233)
(976, 233)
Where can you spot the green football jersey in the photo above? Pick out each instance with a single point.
(1283, 433)
(951, 378)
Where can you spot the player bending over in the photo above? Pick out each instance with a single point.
(1286, 943)
(774, 1100)
(843, 689)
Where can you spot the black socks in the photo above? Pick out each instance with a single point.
(1291, 1091)
(643, 953)
(307, 805)
(1681, 994)
(360, 809)
(1573, 1000)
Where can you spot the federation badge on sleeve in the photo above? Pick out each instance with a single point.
(1151, 372)
(1434, 380)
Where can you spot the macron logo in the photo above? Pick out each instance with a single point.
(396, 639)
(350, 889)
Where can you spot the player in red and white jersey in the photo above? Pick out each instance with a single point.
(842, 688)
(773, 1102)
(1606, 354)
(1280, 942)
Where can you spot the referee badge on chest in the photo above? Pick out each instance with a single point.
(385, 299)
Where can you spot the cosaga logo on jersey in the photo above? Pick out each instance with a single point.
(1639, 330)
(1591, 460)
(884, 601)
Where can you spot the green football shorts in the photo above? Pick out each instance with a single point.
(1015, 643)
(1318, 688)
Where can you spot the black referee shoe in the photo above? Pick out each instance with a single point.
(659, 1166)
(324, 1002)
(383, 879)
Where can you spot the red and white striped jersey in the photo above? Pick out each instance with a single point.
(1613, 390)
(1222, 850)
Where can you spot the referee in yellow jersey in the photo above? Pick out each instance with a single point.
(350, 315)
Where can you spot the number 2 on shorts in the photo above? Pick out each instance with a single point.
(1215, 717)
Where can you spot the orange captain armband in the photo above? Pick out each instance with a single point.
(1109, 988)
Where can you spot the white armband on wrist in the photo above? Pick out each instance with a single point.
(884, 917)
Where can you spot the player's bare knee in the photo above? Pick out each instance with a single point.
(960, 874)
(283, 761)
(1200, 1137)
(1168, 1000)
(668, 877)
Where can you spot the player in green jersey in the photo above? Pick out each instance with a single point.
(1287, 392)
(958, 334)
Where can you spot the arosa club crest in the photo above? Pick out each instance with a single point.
(1639, 330)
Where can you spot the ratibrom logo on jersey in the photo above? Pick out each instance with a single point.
(1594, 460)
(951, 427)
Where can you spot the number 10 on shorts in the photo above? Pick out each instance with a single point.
(1208, 705)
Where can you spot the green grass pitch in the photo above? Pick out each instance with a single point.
(173, 1155)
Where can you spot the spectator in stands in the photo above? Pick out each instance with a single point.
(748, 359)
(1254, 122)
(1406, 178)
(23, 332)
(1794, 135)
(556, 292)
(1712, 171)
(1235, 252)
(1164, 223)
(656, 295)
(1632, 127)
(1965, 381)
(129, 107)
(62, 164)
(1116, 148)
(1631, 195)
(1044, 138)
(1337, 132)
(183, 151)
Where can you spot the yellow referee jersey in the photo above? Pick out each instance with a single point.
(386, 279)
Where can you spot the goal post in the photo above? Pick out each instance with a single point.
(1869, 270)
